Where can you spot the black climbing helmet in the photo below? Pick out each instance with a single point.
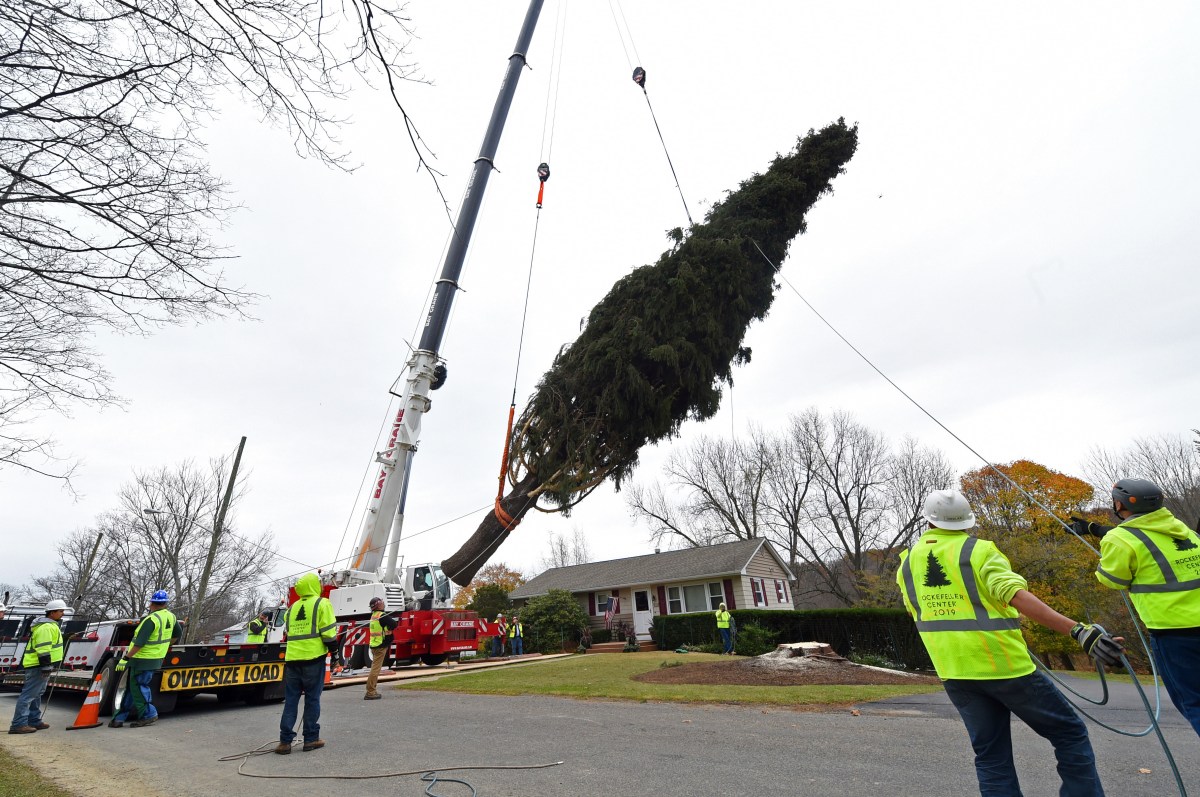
(1138, 495)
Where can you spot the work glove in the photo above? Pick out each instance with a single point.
(1086, 527)
(1098, 644)
(120, 666)
(46, 669)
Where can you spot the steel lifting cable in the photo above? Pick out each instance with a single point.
(1152, 713)
(549, 120)
(639, 77)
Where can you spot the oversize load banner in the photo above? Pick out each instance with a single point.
(207, 677)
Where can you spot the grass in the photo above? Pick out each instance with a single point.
(18, 779)
(1092, 675)
(610, 677)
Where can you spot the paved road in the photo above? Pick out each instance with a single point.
(911, 746)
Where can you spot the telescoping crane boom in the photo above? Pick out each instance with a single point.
(383, 521)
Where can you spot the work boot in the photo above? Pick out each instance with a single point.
(115, 724)
(23, 729)
(143, 723)
(41, 726)
(283, 748)
(316, 744)
(375, 696)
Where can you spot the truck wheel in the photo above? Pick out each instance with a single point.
(109, 684)
(361, 657)
(432, 659)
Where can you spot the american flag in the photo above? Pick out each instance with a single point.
(614, 606)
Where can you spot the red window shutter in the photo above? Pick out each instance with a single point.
(662, 599)
(591, 604)
(786, 597)
(763, 581)
(730, 596)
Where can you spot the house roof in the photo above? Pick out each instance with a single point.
(689, 563)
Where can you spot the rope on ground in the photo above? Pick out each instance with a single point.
(427, 774)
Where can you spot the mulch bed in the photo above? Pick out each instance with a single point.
(758, 672)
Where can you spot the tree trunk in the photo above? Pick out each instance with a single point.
(475, 552)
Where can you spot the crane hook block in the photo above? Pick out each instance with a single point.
(639, 77)
(543, 172)
(439, 376)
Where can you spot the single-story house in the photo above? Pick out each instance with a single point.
(745, 574)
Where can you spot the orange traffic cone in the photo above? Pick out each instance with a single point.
(328, 665)
(89, 712)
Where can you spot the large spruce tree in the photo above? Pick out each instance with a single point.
(656, 350)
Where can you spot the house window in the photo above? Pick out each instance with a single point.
(602, 604)
(674, 601)
(694, 598)
(641, 600)
(760, 595)
(780, 591)
(716, 595)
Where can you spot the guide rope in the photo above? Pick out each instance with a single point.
(1152, 713)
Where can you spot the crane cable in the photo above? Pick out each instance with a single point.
(639, 77)
(549, 119)
(1152, 713)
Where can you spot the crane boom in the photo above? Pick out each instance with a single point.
(384, 516)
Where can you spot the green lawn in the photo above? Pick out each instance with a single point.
(609, 676)
(18, 779)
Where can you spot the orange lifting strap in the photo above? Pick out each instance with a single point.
(506, 520)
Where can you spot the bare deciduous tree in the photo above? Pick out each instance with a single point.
(724, 488)
(865, 504)
(142, 553)
(563, 552)
(1170, 461)
(107, 206)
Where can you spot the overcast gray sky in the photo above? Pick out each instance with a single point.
(1018, 226)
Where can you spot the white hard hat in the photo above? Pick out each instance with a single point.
(948, 509)
(56, 606)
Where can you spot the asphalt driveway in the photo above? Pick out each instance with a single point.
(910, 746)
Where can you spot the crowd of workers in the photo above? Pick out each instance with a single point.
(961, 591)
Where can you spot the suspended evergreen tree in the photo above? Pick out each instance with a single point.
(656, 350)
(935, 576)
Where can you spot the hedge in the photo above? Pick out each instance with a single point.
(885, 632)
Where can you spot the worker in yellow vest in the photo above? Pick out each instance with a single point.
(43, 650)
(382, 626)
(967, 603)
(311, 635)
(256, 629)
(151, 640)
(1157, 558)
(723, 620)
(516, 636)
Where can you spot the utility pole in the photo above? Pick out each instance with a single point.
(198, 608)
(87, 573)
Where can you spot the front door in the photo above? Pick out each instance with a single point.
(643, 616)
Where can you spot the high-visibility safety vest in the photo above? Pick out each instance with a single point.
(376, 629)
(310, 623)
(723, 619)
(162, 627)
(516, 630)
(1157, 558)
(969, 633)
(45, 639)
(256, 632)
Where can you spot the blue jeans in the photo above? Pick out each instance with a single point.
(497, 646)
(986, 708)
(307, 678)
(136, 702)
(518, 646)
(726, 639)
(1177, 657)
(29, 704)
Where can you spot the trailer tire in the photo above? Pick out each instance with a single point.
(109, 681)
(164, 702)
(432, 659)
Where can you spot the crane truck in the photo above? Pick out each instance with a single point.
(429, 630)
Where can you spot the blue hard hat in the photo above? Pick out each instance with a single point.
(160, 596)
